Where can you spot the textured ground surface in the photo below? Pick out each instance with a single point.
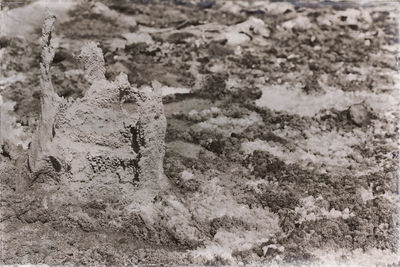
(281, 142)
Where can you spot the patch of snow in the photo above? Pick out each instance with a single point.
(294, 101)
(390, 48)
(100, 8)
(224, 243)
(238, 50)
(329, 148)
(214, 201)
(276, 7)
(393, 198)
(148, 213)
(273, 246)
(218, 67)
(4, 82)
(231, 6)
(253, 25)
(356, 258)
(326, 150)
(229, 125)
(309, 211)
(350, 16)
(10, 130)
(352, 77)
(254, 184)
(257, 145)
(167, 90)
(178, 220)
(236, 38)
(142, 37)
(232, 82)
(369, 195)
(187, 175)
(240, 33)
(366, 194)
(205, 114)
(300, 22)
(117, 43)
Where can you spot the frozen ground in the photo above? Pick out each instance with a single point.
(281, 139)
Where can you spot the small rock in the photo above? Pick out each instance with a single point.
(359, 114)
(206, 4)
(179, 37)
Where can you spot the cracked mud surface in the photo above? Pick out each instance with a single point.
(281, 143)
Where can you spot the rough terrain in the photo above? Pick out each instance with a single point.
(200, 132)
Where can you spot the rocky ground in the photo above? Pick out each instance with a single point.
(281, 139)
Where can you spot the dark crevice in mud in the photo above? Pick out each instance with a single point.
(28, 165)
(137, 169)
(137, 142)
(55, 163)
(137, 137)
(134, 142)
(4, 152)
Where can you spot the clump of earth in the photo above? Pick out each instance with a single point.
(199, 132)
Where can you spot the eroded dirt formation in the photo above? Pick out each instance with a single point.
(113, 135)
(200, 132)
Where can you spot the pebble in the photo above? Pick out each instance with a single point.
(358, 114)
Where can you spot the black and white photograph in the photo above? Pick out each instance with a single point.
(199, 133)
